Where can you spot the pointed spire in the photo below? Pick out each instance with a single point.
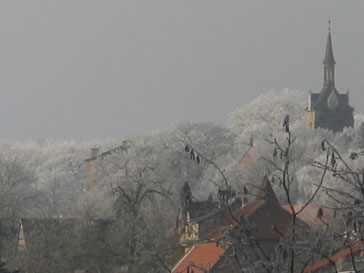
(329, 54)
(186, 187)
(186, 194)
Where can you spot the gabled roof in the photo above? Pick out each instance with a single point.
(266, 192)
(265, 218)
(265, 215)
(230, 223)
(338, 256)
(309, 215)
(107, 153)
(201, 258)
(36, 231)
(319, 101)
(171, 231)
(199, 209)
(248, 157)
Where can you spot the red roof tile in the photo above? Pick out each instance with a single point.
(171, 231)
(201, 257)
(309, 215)
(265, 220)
(268, 219)
(265, 215)
(266, 192)
(342, 254)
(248, 157)
(231, 223)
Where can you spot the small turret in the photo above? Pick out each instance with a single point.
(186, 194)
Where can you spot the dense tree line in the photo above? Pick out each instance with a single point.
(140, 187)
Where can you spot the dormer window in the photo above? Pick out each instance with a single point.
(332, 101)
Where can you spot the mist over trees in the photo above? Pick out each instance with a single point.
(140, 187)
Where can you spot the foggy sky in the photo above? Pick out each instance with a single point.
(94, 69)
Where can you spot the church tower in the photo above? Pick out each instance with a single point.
(329, 109)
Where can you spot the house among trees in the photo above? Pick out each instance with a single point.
(95, 156)
(197, 218)
(249, 157)
(329, 109)
(67, 244)
(212, 246)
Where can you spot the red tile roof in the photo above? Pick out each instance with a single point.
(309, 215)
(201, 258)
(263, 219)
(230, 223)
(171, 231)
(266, 192)
(265, 215)
(342, 254)
(248, 157)
(207, 254)
(269, 218)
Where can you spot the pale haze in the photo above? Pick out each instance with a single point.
(96, 69)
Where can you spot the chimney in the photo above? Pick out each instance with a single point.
(94, 152)
(125, 144)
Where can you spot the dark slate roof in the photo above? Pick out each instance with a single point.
(60, 230)
(9, 229)
(186, 187)
(73, 243)
(319, 100)
(198, 209)
(314, 98)
(39, 233)
(329, 55)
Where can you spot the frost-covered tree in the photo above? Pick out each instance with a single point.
(262, 116)
(141, 185)
(187, 142)
(17, 192)
(138, 179)
(16, 184)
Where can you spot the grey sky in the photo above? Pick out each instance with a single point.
(93, 69)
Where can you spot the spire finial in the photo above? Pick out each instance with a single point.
(329, 55)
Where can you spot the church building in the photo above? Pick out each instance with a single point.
(329, 109)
